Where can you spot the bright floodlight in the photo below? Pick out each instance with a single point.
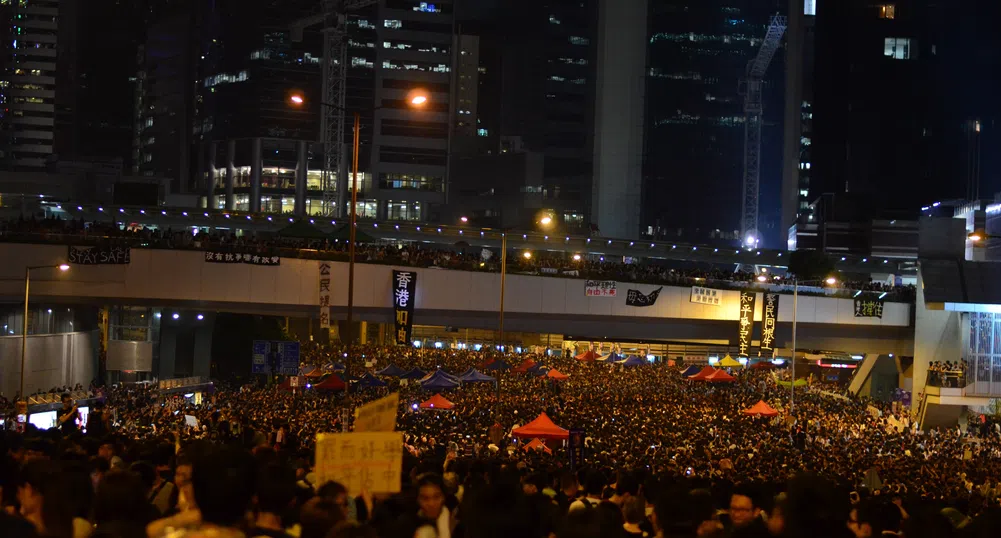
(464, 219)
(576, 257)
(750, 240)
(546, 221)
(831, 281)
(527, 255)
(419, 100)
(64, 267)
(297, 99)
(762, 278)
(975, 237)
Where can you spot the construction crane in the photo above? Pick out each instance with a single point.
(751, 88)
(333, 18)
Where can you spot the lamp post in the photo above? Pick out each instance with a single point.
(415, 99)
(830, 281)
(24, 321)
(545, 222)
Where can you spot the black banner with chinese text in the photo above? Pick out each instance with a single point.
(404, 295)
(868, 308)
(745, 327)
(638, 298)
(769, 320)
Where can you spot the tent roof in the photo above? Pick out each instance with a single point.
(762, 365)
(437, 402)
(632, 360)
(499, 364)
(302, 230)
(703, 373)
(416, 373)
(611, 357)
(556, 374)
(761, 409)
(690, 371)
(588, 355)
(537, 444)
(332, 366)
(439, 380)
(369, 380)
(524, 366)
(392, 370)
(331, 383)
(543, 428)
(343, 233)
(474, 376)
(729, 362)
(719, 376)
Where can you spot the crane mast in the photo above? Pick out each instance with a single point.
(751, 87)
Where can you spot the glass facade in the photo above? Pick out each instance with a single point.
(983, 353)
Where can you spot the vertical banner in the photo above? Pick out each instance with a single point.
(745, 326)
(404, 288)
(769, 320)
(324, 295)
(575, 448)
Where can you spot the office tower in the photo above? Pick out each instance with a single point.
(797, 156)
(618, 124)
(698, 53)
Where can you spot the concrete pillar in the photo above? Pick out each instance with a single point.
(938, 334)
(202, 363)
(168, 351)
(210, 183)
(256, 164)
(363, 332)
(230, 174)
(300, 180)
(382, 333)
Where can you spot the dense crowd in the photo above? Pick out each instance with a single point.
(664, 456)
(461, 257)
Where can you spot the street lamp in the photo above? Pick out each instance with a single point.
(24, 322)
(830, 281)
(417, 98)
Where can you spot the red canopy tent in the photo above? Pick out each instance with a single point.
(761, 409)
(524, 366)
(537, 444)
(762, 365)
(334, 382)
(543, 428)
(556, 374)
(318, 372)
(703, 374)
(720, 376)
(437, 402)
(588, 356)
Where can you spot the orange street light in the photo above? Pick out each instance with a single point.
(297, 99)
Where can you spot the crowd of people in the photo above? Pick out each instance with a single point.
(421, 255)
(663, 456)
(948, 374)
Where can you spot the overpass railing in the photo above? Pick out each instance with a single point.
(453, 257)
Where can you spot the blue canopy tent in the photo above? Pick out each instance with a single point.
(632, 360)
(539, 370)
(392, 371)
(611, 357)
(370, 381)
(691, 370)
(438, 381)
(334, 367)
(474, 376)
(416, 373)
(499, 364)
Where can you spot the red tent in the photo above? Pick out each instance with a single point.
(334, 382)
(761, 409)
(703, 374)
(536, 444)
(556, 374)
(720, 376)
(437, 402)
(285, 385)
(762, 365)
(587, 356)
(543, 428)
(317, 372)
(524, 366)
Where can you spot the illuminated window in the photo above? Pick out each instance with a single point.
(484, 132)
(577, 40)
(887, 11)
(393, 23)
(898, 48)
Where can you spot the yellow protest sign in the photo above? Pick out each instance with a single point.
(378, 416)
(371, 461)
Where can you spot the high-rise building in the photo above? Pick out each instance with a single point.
(698, 52)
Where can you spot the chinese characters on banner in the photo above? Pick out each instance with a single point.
(769, 319)
(238, 257)
(599, 288)
(378, 416)
(745, 327)
(707, 296)
(868, 308)
(369, 461)
(404, 296)
(324, 295)
(638, 298)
